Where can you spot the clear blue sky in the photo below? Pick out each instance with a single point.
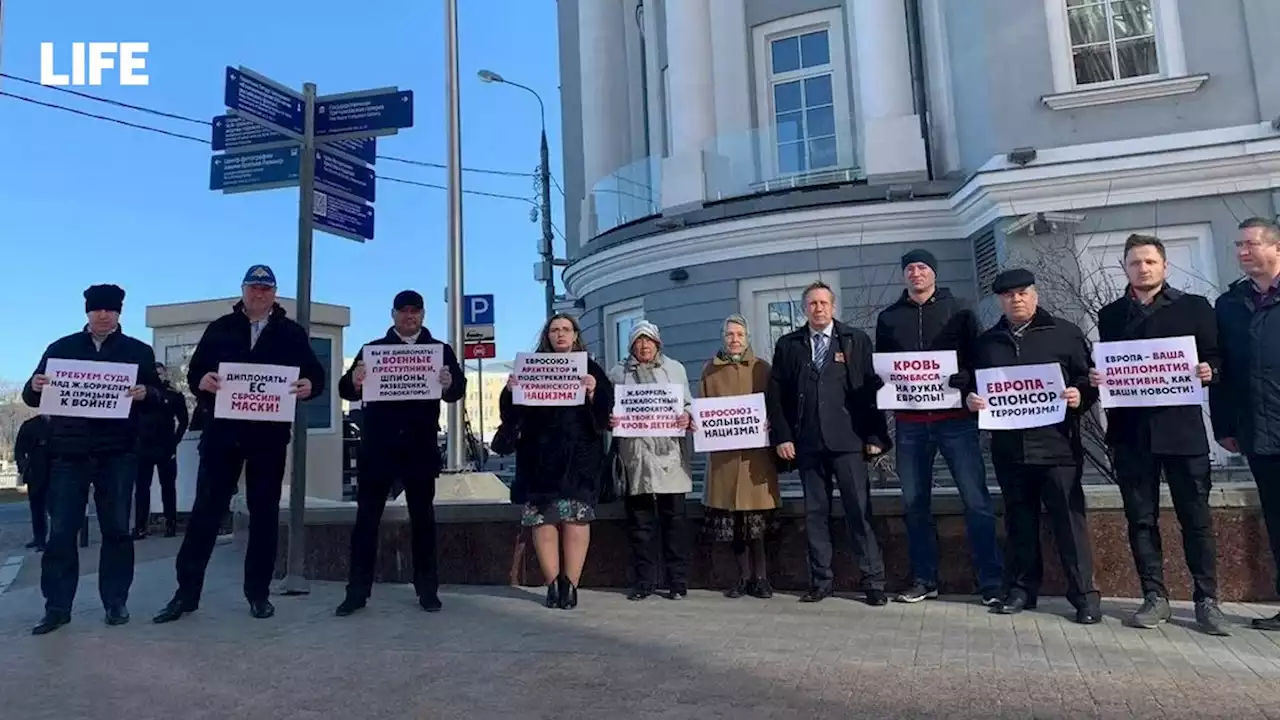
(84, 201)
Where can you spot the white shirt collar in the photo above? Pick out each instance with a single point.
(825, 331)
(411, 339)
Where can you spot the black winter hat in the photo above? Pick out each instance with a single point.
(407, 298)
(920, 256)
(1011, 280)
(104, 297)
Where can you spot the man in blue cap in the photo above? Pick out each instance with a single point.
(255, 331)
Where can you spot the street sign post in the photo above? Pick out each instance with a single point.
(274, 132)
(478, 337)
(478, 351)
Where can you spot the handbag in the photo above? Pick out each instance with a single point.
(504, 439)
(613, 476)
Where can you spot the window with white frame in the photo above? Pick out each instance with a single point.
(619, 319)
(774, 306)
(1116, 50)
(801, 73)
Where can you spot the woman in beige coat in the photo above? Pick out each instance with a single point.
(741, 492)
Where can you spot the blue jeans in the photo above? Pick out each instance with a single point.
(917, 445)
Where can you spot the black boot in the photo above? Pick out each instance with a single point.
(176, 608)
(170, 528)
(52, 621)
(553, 594)
(261, 609)
(568, 593)
(349, 605)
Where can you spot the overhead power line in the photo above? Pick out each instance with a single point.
(203, 141)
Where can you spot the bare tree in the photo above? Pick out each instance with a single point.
(13, 412)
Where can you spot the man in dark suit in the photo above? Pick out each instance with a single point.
(398, 445)
(163, 426)
(1040, 464)
(31, 450)
(1148, 440)
(828, 425)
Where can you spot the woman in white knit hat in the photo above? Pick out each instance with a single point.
(657, 472)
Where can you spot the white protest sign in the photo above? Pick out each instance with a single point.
(256, 392)
(87, 388)
(1148, 373)
(917, 380)
(1021, 397)
(402, 372)
(549, 379)
(736, 422)
(648, 410)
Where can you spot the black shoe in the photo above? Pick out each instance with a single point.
(639, 593)
(261, 609)
(52, 621)
(37, 545)
(171, 529)
(568, 594)
(918, 592)
(349, 606)
(553, 594)
(139, 534)
(992, 598)
(118, 615)
(1016, 602)
(1271, 624)
(430, 603)
(760, 588)
(816, 595)
(678, 593)
(1154, 610)
(742, 587)
(176, 608)
(876, 598)
(1210, 620)
(1089, 614)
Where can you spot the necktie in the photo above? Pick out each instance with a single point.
(820, 341)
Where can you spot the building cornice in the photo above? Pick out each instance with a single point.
(1167, 167)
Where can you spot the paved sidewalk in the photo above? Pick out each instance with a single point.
(496, 653)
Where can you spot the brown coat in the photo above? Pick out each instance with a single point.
(739, 479)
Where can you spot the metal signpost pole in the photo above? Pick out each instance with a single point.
(480, 397)
(456, 454)
(548, 254)
(295, 582)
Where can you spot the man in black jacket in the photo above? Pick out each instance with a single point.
(255, 331)
(31, 450)
(397, 445)
(1245, 402)
(1147, 440)
(828, 425)
(1042, 464)
(97, 452)
(930, 318)
(163, 425)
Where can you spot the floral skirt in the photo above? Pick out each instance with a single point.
(556, 512)
(730, 525)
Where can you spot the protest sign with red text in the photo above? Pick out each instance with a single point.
(549, 379)
(89, 389)
(1148, 373)
(1021, 397)
(736, 422)
(648, 410)
(401, 372)
(250, 391)
(917, 380)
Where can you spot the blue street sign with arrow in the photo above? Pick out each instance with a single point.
(374, 112)
(264, 101)
(344, 176)
(363, 149)
(255, 170)
(342, 217)
(235, 133)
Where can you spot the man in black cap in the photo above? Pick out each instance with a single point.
(929, 318)
(31, 451)
(97, 452)
(163, 426)
(1042, 464)
(398, 447)
(255, 331)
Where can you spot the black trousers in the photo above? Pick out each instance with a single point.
(167, 469)
(216, 483)
(1266, 473)
(111, 477)
(1138, 476)
(376, 479)
(1024, 488)
(38, 498)
(819, 472)
(660, 518)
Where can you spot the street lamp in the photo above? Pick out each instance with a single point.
(548, 255)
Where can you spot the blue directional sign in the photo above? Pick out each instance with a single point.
(377, 112)
(362, 149)
(232, 133)
(264, 101)
(255, 170)
(342, 175)
(477, 310)
(340, 216)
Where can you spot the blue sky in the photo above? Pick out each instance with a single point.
(84, 201)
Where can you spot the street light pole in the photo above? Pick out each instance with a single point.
(456, 451)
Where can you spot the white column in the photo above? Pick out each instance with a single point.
(734, 152)
(653, 78)
(892, 146)
(692, 100)
(635, 80)
(606, 110)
